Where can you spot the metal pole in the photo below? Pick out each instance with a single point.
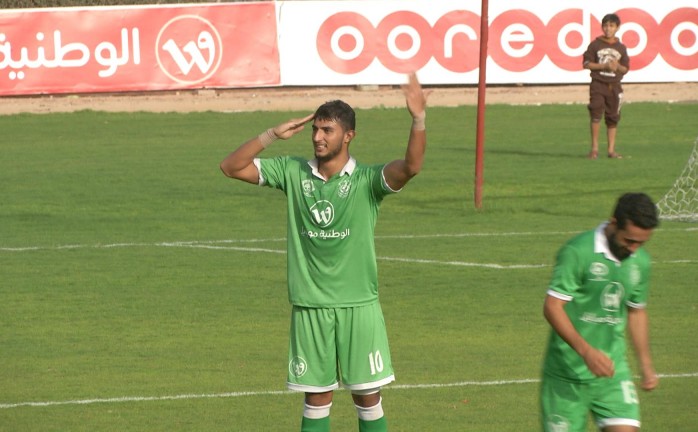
(481, 86)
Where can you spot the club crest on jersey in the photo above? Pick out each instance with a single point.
(612, 296)
(298, 366)
(323, 213)
(308, 187)
(558, 423)
(599, 270)
(344, 188)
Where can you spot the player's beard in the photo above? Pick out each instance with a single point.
(332, 152)
(618, 250)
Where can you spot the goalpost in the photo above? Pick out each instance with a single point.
(681, 202)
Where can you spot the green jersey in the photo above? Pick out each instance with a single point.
(598, 289)
(331, 254)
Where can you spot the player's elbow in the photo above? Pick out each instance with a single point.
(248, 173)
(232, 171)
(227, 170)
(548, 311)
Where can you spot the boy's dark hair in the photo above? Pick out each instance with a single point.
(338, 111)
(638, 208)
(611, 18)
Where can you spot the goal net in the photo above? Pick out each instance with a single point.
(681, 202)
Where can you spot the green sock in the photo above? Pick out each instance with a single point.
(315, 425)
(379, 425)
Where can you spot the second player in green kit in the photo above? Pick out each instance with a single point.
(599, 289)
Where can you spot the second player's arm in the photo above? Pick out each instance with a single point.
(638, 328)
(597, 362)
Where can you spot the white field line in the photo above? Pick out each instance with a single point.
(286, 392)
(465, 264)
(215, 245)
(283, 239)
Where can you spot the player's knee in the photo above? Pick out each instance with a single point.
(366, 397)
(316, 412)
(370, 413)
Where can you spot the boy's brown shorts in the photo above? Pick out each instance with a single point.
(605, 100)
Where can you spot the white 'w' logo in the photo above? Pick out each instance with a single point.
(204, 42)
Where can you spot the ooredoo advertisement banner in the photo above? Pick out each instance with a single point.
(113, 49)
(376, 42)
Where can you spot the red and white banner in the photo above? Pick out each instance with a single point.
(377, 41)
(317, 43)
(112, 49)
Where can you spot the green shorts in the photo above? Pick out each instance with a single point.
(565, 405)
(332, 345)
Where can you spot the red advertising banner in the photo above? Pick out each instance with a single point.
(74, 50)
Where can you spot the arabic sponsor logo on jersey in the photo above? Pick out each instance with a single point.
(589, 317)
(599, 270)
(322, 213)
(326, 234)
(344, 188)
(188, 49)
(612, 297)
(308, 188)
(297, 367)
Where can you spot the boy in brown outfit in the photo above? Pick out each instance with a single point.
(607, 59)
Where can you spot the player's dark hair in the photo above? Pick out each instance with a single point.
(611, 18)
(338, 111)
(638, 208)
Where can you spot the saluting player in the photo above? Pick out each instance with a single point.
(338, 334)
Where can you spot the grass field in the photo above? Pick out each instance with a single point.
(141, 290)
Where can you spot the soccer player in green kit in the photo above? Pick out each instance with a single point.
(338, 334)
(599, 287)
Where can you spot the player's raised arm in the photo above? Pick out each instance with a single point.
(240, 163)
(399, 172)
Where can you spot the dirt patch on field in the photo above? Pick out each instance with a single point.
(306, 98)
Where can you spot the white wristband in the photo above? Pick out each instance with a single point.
(267, 137)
